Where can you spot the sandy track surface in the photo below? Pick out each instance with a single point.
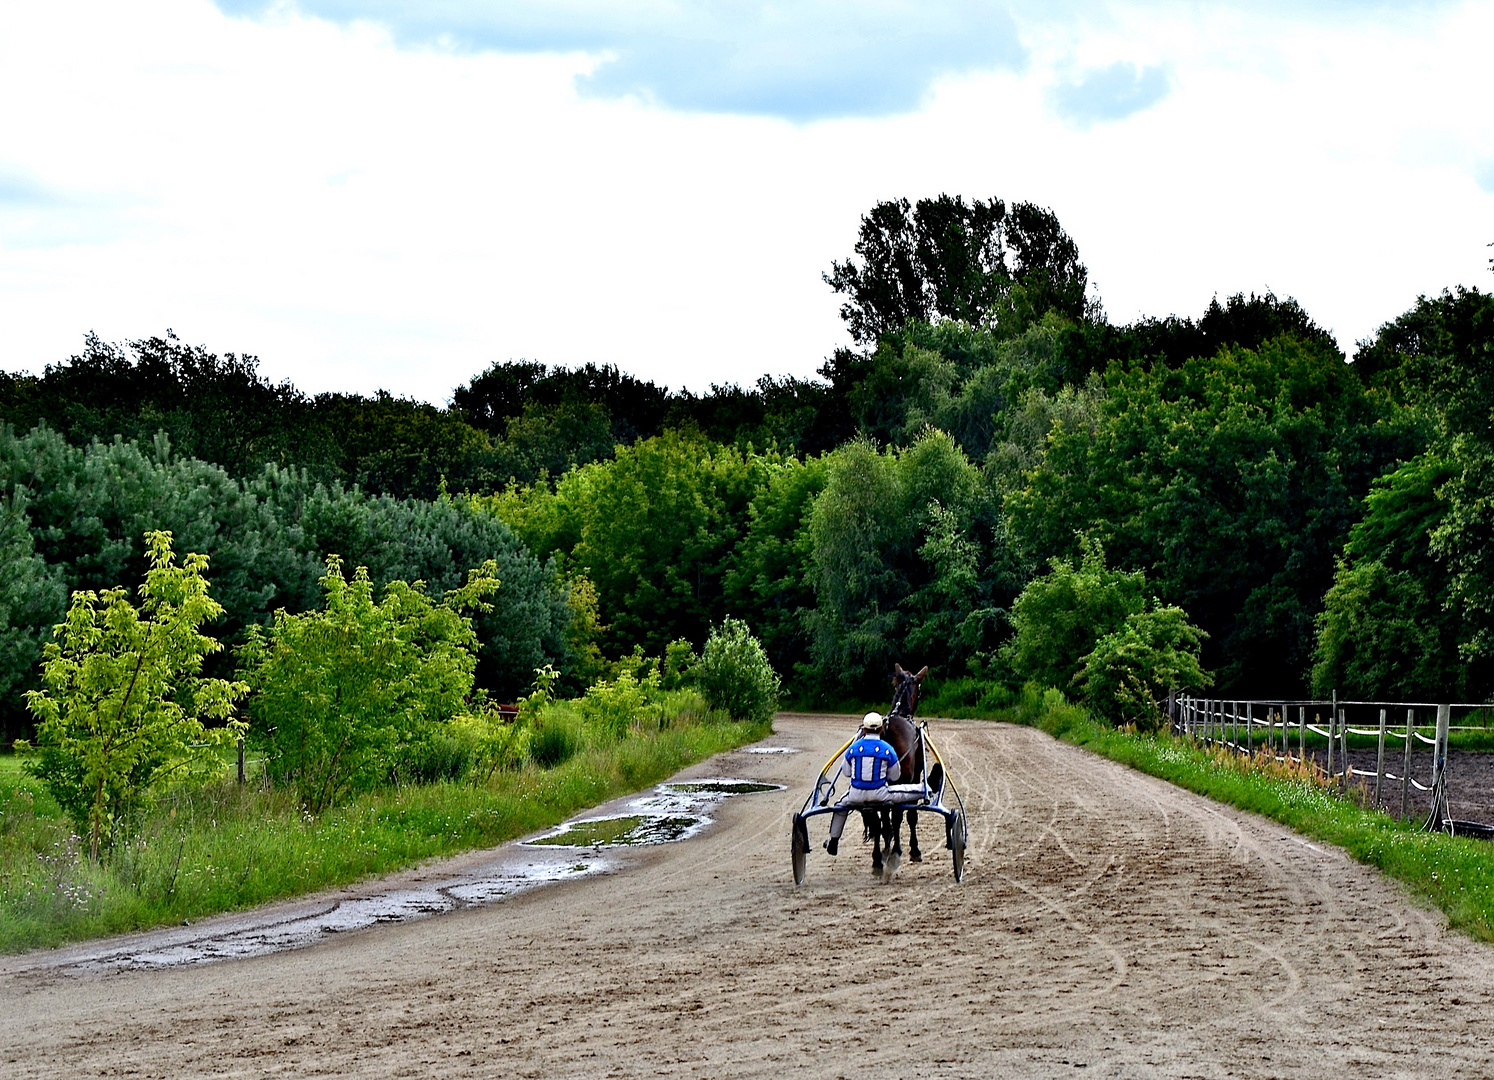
(1108, 925)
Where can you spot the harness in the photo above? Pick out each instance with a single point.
(870, 759)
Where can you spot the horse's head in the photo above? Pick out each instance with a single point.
(905, 687)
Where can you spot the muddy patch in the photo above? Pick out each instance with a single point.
(672, 812)
(579, 848)
(259, 934)
(633, 830)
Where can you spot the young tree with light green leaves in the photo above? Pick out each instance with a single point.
(121, 713)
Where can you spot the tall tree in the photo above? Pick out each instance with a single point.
(942, 258)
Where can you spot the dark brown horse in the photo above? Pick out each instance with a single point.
(885, 827)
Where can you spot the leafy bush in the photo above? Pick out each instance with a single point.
(734, 674)
(1048, 710)
(1131, 670)
(612, 706)
(1059, 617)
(679, 659)
(121, 715)
(492, 743)
(345, 694)
(558, 736)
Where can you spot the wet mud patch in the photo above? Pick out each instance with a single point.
(725, 787)
(579, 848)
(674, 811)
(262, 933)
(634, 829)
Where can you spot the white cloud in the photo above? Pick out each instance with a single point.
(362, 214)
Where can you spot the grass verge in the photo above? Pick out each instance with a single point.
(226, 847)
(1451, 873)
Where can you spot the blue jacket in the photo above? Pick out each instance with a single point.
(870, 760)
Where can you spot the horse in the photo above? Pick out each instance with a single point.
(884, 827)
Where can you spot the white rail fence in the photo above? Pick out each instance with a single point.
(1273, 727)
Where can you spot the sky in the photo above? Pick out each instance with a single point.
(397, 193)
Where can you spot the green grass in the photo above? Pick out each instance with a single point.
(226, 847)
(1451, 873)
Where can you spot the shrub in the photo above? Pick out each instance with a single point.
(120, 716)
(679, 660)
(734, 675)
(492, 743)
(612, 706)
(1059, 616)
(345, 695)
(1132, 669)
(558, 736)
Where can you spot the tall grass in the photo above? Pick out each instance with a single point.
(225, 847)
(1453, 873)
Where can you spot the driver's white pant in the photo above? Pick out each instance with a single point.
(861, 797)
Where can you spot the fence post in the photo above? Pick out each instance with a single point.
(1250, 728)
(1406, 771)
(1332, 731)
(1343, 749)
(1439, 769)
(1302, 733)
(1234, 724)
(1380, 761)
(242, 777)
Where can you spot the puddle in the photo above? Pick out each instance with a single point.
(578, 849)
(672, 812)
(251, 935)
(636, 829)
(771, 750)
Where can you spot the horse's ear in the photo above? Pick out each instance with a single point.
(898, 668)
(922, 673)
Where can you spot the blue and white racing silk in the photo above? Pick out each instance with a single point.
(869, 761)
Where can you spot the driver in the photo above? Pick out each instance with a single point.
(871, 764)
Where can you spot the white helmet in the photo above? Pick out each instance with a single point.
(872, 721)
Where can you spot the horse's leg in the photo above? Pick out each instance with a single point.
(914, 855)
(873, 822)
(894, 844)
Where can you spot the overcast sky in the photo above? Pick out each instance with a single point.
(396, 193)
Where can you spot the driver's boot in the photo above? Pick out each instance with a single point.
(832, 845)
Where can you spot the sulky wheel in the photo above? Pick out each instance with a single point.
(957, 843)
(799, 845)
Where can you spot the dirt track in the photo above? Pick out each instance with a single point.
(1108, 925)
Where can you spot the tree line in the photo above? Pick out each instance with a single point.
(1301, 519)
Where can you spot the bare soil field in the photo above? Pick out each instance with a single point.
(1470, 780)
(1108, 925)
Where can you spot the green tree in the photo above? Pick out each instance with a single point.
(1389, 627)
(734, 674)
(32, 597)
(1130, 671)
(942, 258)
(121, 713)
(769, 580)
(860, 537)
(1059, 617)
(345, 694)
(1231, 480)
(653, 529)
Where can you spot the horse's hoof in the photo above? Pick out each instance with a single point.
(915, 856)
